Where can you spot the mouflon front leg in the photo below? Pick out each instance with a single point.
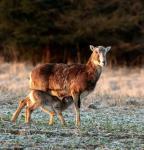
(76, 99)
(61, 118)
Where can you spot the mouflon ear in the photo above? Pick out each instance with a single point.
(108, 48)
(91, 47)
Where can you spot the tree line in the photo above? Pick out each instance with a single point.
(61, 31)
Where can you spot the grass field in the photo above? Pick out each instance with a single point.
(112, 116)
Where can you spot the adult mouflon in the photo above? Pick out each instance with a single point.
(64, 80)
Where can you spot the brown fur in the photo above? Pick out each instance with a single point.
(48, 103)
(64, 80)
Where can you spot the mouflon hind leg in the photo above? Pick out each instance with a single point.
(22, 104)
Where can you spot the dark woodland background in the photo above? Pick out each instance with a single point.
(62, 30)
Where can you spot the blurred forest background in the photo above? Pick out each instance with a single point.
(62, 30)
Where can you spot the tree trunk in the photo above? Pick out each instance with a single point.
(46, 55)
(78, 55)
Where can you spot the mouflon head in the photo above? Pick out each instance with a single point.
(99, 54)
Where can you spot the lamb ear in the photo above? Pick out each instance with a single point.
(91, 47)
(108, 48)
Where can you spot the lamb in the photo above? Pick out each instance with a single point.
(48, 103)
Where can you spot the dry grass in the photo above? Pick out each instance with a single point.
(13, 81)
(122, 82)
(118, 87)
(114, 84)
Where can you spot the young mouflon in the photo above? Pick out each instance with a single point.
(46, 102)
